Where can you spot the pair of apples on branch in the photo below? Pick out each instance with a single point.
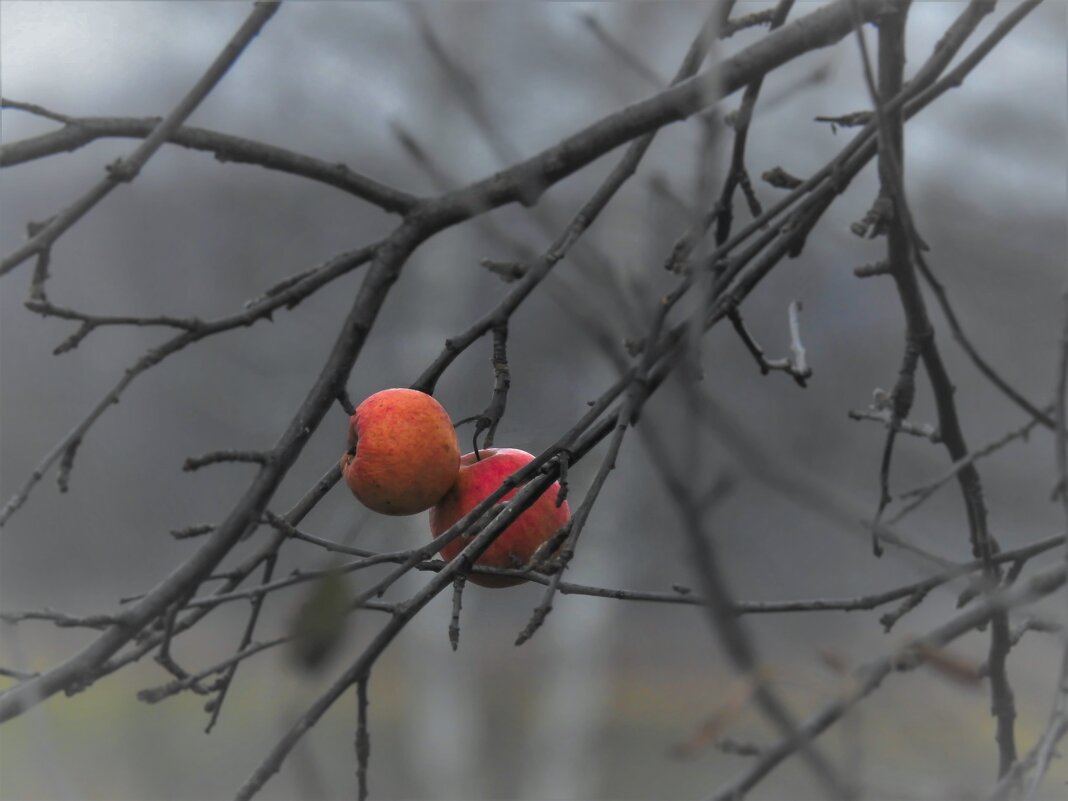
(403, 458)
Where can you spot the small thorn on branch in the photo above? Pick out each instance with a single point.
(74, 340)
(551, 558)
(536, 619)
(890, 619)
(66, 464)
(278, 288)
(780, 178)
(852, 120)
(969, 594)
(876, 220)
(192, 531)
(216, 457)
(634, 347)
(122, 171)
(562, 461)
(508, 271)
(541, 560)
(873, 269)
(40, 275)
(34, 228)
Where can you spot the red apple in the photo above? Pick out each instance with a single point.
(478, 478)
(403, 455)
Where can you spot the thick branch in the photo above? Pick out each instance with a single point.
(527, 180)
(247, 512)
(81, 131)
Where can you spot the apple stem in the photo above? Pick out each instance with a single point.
(345, 401)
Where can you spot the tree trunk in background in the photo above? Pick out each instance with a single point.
(572, 704)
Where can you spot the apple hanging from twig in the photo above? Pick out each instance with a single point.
(479, 476)
(403, 455)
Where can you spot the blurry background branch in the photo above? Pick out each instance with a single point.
(642, 324)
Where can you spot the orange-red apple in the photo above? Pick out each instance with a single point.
(517, 543)
(403, 455)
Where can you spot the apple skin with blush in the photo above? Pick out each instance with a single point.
(514, 547)
(403, 455)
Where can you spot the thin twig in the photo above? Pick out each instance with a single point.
(795, 366)
(223, 686)
(457, 604)
(737, 175)
(886, 417)
(719, 605)
(81, 131)
(126, 170)
(389, 258)
(579, 224)
(491, 417)
(325, 273)
(18, 675)
(90, 322)
(60, 619)
(920, 494)
(154, 695)
(626, 415)
(1058, 717)
(868, 677)
(231, 580)
(217, 457)
(903, 242)
(363, 737)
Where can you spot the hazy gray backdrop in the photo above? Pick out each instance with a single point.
(591, 707)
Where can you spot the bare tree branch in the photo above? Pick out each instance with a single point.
(126, 170)
(870, 676)
(1057, 726)
(711, 284)
(387, 263)
(81, 131)
(288, 298)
